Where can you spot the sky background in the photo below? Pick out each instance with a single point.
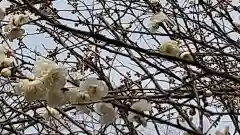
(35, 43)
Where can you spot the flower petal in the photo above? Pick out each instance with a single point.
(141, 105)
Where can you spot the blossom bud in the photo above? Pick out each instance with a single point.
(6, 72)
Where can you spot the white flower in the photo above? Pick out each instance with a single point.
(2, 14)
(2, 53)
(32, 90)
(13, 32)
(6, 58)
(95, 88)
(21, 86)
(170, 48)
(186, 56)
(43, 66)
(49, 111)
(55, 79)
(56, 98)
(107, 112)
(9, 62)
(53, 76)
(6, 72)
(49, 79)
(20, 19)
(77, 97)
(140, 106)
(156, 19)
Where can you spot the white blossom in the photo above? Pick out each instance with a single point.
(140, 106)
(6, 57)
(53, 76)
(156, 19)
(49, 112)
(13, 30)
(20, 86)
(77, 97)
(170, 48)
(2, 14)
(49, 79)
(20, 19)
(186, 56)
(106, 111)
(6, 72)
(2, 53)
(95, 88)
(43, 66)
(56, 98)
(32, 90)
(55, 79)
(9, 62)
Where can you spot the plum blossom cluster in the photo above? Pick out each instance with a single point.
(7, 62)
(141, 106)
(172, 48)
(50, 78)
(106, 112)
(13, 29)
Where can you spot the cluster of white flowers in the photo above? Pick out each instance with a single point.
(49, 112)
(106, 111)
(91, 89)
(141, 106)
(7, 61)
(49, 79)
(172, 48)
(47, 84)
(13, 29)
(77, 97)
(96, 89)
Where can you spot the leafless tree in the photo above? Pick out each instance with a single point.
(111, 39)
